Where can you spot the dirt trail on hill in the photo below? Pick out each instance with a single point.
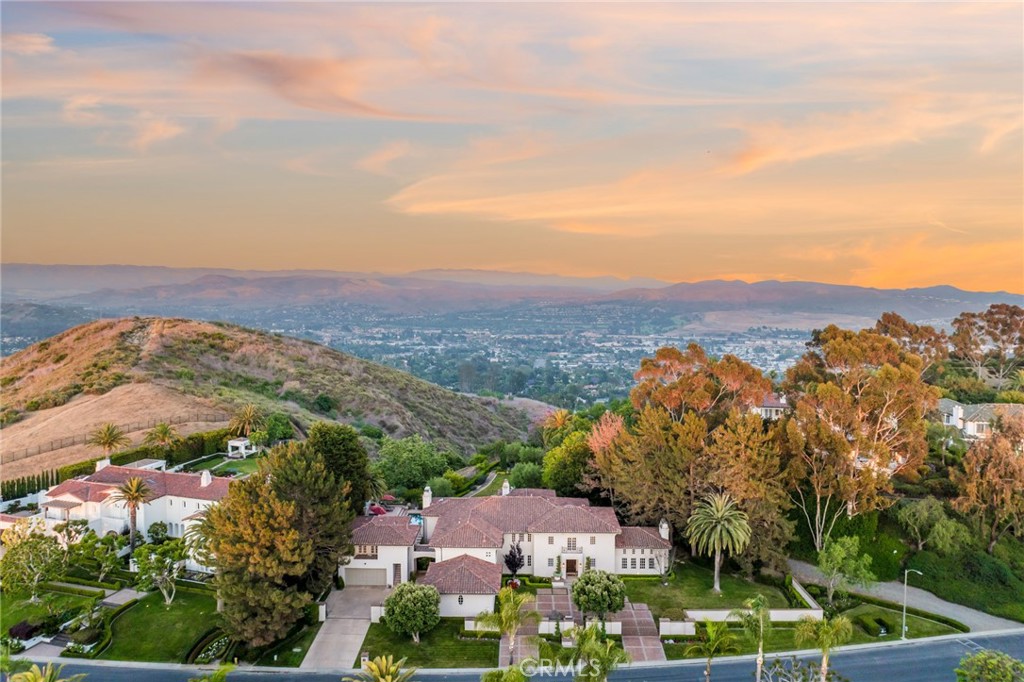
(127, 404)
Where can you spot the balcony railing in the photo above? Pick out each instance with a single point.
(572, 550)
(365, 556)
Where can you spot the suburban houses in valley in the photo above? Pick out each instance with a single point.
(975, 421)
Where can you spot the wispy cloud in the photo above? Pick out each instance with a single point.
(28, 44)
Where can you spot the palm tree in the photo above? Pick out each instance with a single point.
(757, 624)
(218, 675)
(597, 655)
(511, 615)
(376, 486)
(513, 673)
(383, 669)
(1017, 380)
(47, 674)
(163, 435)
(197, 536)
(247, 419)
(131, 495)
(717, 526)
(825, 634)
(717, 641)
(108, 437)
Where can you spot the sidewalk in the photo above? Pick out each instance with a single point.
(977, 621)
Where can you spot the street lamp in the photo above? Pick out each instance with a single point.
(903, 633)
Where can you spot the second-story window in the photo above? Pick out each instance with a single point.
(570, 543)
(551, 539)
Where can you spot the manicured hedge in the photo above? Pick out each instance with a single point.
(869, 625)
(938, 618)
(201, 643)
(77, 591)
(116, 585)
(108, 632)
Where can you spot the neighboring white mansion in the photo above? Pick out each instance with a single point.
(774, 406)
(557, 535)
(175, 498)
(974, 421)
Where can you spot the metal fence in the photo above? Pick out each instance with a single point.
(132, 427)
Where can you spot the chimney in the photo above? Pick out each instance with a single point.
(505, 488)
(428, 495)
(102, 463)
(663, 529)
(205, 478)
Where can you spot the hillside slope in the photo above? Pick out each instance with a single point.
(220, 366)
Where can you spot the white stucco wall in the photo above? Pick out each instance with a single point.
(472, 604)
(489, 554)
(649, 556)
(387, 557)
(546, 553)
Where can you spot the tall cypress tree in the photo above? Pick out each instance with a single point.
(345, 457)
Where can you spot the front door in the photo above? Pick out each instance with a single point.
(396, 575)
(570, 567)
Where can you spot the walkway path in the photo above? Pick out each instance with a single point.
(977, 621)
(640, 635)
(487, 481)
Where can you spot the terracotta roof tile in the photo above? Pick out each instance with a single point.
(636, 537)
(386, 531)
(164, 483)
(464, 574)
(467, 533)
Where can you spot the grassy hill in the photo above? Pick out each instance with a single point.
(221, 366)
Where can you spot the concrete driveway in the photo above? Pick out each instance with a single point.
(340, 640)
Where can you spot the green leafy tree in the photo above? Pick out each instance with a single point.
(596, 655)
(512, 613)
(715, 640)
(103, 551)
(108, 438)
(383, 669)
(757, 625)
(599, 592)
(160, 566)
(919, 517)
(259, 438)
(842, 565)
(526, 475)
(69, 534)
(412, 609)
(717, 526)
(949, 537)
(48, 673)
(345, 456)
(409, 462)
(275, 541)
(247, 418)
(131, 495)
(278, 427)
(990, 666)
(825, 634)
(158, 533)
(565, 464)
(30, 563)
(441, 487)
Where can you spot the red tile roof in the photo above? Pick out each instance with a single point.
(82, 490)
(636, 537)
(164, 483)
(532, 492)
(464, 574)
(386, 531)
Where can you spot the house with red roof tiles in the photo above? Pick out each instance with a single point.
(382, 551)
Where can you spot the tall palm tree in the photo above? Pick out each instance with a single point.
(163, 435)
(717, 641)
(376, 486)
(511, 615)
(109, 437)
(1017, 380)
(47, 674)
(597, 656)
(757, 624)
(383, 669)
(825, 634)
(247, 419)
(131, 495)
(197, 536)
(717, 526)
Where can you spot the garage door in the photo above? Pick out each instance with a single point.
(366, 576)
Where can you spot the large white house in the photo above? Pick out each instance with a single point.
(175, 499)
(557, 535)
(974, 421)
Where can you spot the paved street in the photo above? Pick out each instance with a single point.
(916, 661)
(977, 621)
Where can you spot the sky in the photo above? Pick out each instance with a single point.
(875, 144)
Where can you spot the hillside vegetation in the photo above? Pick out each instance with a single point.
(223, 366)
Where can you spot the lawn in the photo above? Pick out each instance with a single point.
(208, 464)
(240, 467)
(291, 651)
(150, 631)
(782, 638)
(494, 487)
(442, 647)
(690, 588)
(15, 608)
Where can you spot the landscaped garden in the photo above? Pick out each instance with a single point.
(151, 631)
(17, 607)
(442, 647)
(690, 587)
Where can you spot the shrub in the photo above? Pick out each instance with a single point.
(87, 635)
(526, 475)
(11, 645)
(869, 625)
(24, 630)
(441, 487)
(886, 552)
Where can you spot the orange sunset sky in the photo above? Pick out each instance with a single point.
(873, 144)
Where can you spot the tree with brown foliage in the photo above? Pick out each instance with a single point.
(690, 381)
(860, 404)
(992, 342)
(927, 343)
(992, 482)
